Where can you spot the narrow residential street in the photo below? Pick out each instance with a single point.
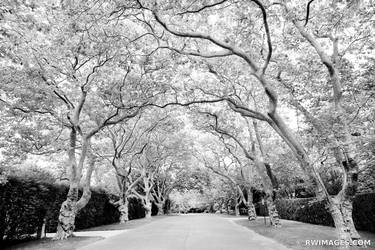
(190, 232)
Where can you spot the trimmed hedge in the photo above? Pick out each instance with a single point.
(24, 204)
(364, 212)
(305, 210)
(136, 209)
(261, 209)
(312, 211)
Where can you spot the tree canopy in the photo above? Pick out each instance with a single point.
(201, 102)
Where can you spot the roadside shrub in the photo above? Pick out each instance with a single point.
(364, 212)
(26, 203)
(136, 210)
(305, 210)
(99, 211)
(261, 209)
(312, 211)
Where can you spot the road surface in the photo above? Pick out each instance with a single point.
(188, 232)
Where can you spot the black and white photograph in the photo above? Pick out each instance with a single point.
(187, 124)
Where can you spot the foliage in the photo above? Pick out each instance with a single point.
(312, 211)
(136, 210)
(26, 202)
(364, 212)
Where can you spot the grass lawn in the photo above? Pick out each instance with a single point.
(294, 234)
(79, 241)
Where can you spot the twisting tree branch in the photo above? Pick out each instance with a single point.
(308, 11)
(226, 133)
(267, 30)
(202, 8)
(224, 45)
(193, 53)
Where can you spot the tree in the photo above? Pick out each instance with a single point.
(309, 84)
(84, 83)
(269, 183)
(344, 155)
(164, 184)
(225, 171)
(124, 143)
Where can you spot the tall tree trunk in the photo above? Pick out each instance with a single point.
(124, 210)
(272, 211)
(67, 215)
(341, 209)
(237, 208)
(123, 203)
(160, 208)
(341, 224)
(347, 195)
(252, 215)
(148, 208)
(86, 195)
(342, 204)
(71, 206)
(268, 179)
(347, 211)
(345, 150)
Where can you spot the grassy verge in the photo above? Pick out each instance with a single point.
(294, 234)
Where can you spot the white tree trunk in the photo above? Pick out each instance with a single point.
(124, 210)
(252, 215)
(160, 208)
(272, 212)
(148, 207)
(341, 212)
(67, 215)
(71, 206)
(237, 209)
(347, 211)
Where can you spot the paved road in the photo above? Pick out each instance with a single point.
(188, 232)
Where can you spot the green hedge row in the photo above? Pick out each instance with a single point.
(24, 204)
(311, 211)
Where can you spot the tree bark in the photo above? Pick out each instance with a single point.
(252, 215)
(148, 207)
(341, 209)
(71, 206)
(237, 209)
(124, 210)
(341, 226)
(347, 211)
(270, 184)
(67, 215)
(272, 212)
(160, 208)
(86, 195)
